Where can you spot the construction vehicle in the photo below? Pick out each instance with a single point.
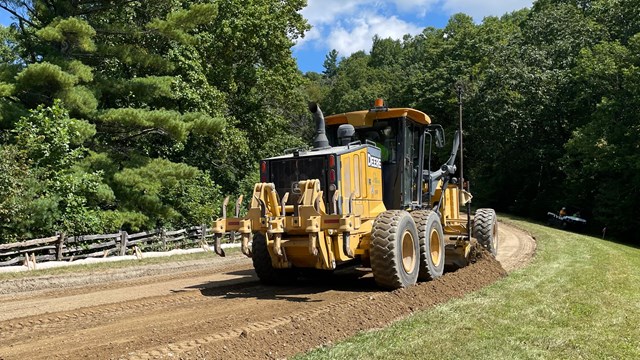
(364, 194)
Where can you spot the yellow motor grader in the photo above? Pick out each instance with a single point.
(364, 193)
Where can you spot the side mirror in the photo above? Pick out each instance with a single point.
(438, 133)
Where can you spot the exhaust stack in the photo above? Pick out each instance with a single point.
(321, 141)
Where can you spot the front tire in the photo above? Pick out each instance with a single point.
(485, 229)
(431, 239)
(263, 266)
(395, 250)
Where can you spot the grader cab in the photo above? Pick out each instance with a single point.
(365, 193)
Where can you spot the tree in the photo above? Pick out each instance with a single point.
(13, 180)
(330, 64)
(602, 160)
(385, 53)
(551, 102)
(160, 87)
(51, 189)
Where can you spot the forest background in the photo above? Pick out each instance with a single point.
(135, 115)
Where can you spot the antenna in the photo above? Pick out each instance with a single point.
(460, 90)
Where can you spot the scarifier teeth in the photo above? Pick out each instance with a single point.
(218, 245)
(224, 207)
(238, 205)
(283, 204)
(245, 245)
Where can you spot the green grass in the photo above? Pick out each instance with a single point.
(579, 299)
(88, 268)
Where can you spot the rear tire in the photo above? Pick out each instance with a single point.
(485, 229)
(263, 266)
(395, 259)
(431, 240)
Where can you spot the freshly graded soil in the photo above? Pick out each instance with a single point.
(213, 310)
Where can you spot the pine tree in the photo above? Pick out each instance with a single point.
(193, 91)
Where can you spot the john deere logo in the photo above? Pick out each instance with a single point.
(295, 187)
(374, 162)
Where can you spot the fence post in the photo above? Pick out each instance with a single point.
(124, 239)
(60, 245)
(163, 238)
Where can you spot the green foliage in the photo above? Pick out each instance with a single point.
(54, 193)
(148, 87)
(356, 85)
(83, 72)
(137, 122)
(178, 24)
(13, 177)
(606, 147)
(330, 64)
(143, 114)
(82, 131)
(45, 135)
(70, 33)
(551, 100)
(168, 194)
(8, 45)
(39, 83)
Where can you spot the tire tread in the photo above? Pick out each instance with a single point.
(384, 250)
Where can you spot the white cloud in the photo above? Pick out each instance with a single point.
(419, 6)
(323, 15)
(360, 31)
(480, 9)
(310, 36)
(327, 11)
(349, 25)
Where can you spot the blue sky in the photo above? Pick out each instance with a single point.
(5, 18)
(349, 25)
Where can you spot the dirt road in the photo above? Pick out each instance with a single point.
(216, 309)
(515, 249)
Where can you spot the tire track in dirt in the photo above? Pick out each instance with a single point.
(105, 279)
(52, 321)
(106, 295)
(244, 331)
(336, 321)
(225, 314)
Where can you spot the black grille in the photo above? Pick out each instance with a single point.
(286, 174)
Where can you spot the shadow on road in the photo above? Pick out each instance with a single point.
(248, 286)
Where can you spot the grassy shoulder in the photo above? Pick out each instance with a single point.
(102, 266)
(578, 299)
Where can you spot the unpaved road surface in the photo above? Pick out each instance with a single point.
(515, 247)
(216, 309)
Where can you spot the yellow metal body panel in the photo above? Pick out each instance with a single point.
(362, 182)
(365, 118)
(314, 238)
(452, 223)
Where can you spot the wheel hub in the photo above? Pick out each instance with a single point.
(434, 247)
(408, 252)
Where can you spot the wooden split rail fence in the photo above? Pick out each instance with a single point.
(65, 248)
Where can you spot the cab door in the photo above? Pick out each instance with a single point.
(413, 155)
